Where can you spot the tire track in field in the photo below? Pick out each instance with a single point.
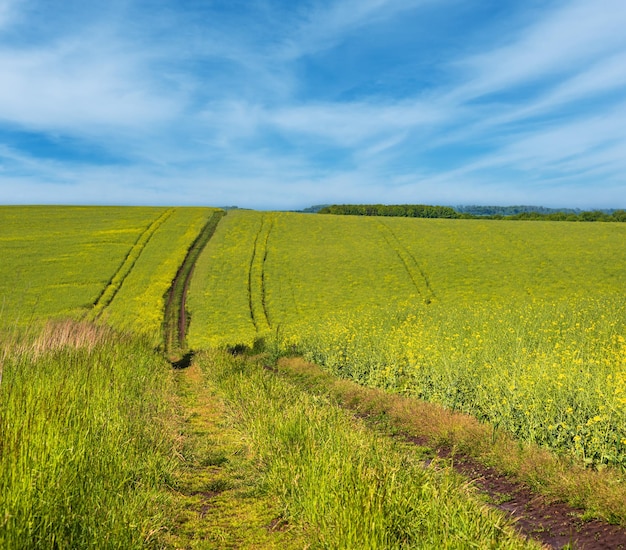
(117, 280)
(175, 316)
(250, 269)
(412, 267)
(256, 276)
(263, 289)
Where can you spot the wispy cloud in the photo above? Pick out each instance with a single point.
(324, 25)
(561, 41)
(286, 104)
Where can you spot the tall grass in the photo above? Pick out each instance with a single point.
(352, 488)
(83, 444)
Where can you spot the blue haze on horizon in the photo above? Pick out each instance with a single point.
(276, 104)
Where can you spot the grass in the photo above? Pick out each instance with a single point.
(599, 493)
(217, 503)
(85, 444)
(333, 482)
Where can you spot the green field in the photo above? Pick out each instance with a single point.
(265, 270)
(521, 325)
(63, 261)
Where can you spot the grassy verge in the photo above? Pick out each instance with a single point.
(600, 493)
(84, 446)
(336, 481)
(217, 502)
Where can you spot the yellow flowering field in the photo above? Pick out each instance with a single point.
(55, 261)
(60, 261)
(522, 324)
(139, 303)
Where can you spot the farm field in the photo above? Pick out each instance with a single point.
(86, 411)
(520, 324)
(61, 261)
(279, 269)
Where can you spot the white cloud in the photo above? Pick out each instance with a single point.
(351, 124)
(559, 42)
(323, 27)
(78, 84)
(215, 115)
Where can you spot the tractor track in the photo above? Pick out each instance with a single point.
(553, 523)
(547, 520)
(411, 266)
(111, 289)
(259, 256)
(176, 317)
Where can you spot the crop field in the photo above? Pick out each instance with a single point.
(520, 324)
(84, 409)
(512, 335)
(96, 262)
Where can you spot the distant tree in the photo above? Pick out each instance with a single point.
(619, 216)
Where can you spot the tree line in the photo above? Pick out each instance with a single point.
(489, 213)
(400, 210)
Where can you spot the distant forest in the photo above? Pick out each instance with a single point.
(475, 212)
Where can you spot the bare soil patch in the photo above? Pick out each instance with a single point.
(554, 524)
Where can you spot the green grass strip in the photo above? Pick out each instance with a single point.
(217, 503)
(347, 485)
(85, 448)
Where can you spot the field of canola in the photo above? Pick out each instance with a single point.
(112, 264)
(521, 324)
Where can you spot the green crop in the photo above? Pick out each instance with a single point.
(108, 263)
(521, 324)
(139, 303)
(56, 261)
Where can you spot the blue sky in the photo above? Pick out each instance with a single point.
(285, 104)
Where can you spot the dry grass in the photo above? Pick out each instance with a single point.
(56, 335)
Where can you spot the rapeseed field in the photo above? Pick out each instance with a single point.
(521, 324)
(112, 264)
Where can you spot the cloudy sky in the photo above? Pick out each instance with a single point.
(289, 103)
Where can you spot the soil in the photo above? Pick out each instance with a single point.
(554, 524)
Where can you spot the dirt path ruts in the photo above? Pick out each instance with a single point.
(256, 289)
(546, 520)
(175, 317)
(555, 524)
